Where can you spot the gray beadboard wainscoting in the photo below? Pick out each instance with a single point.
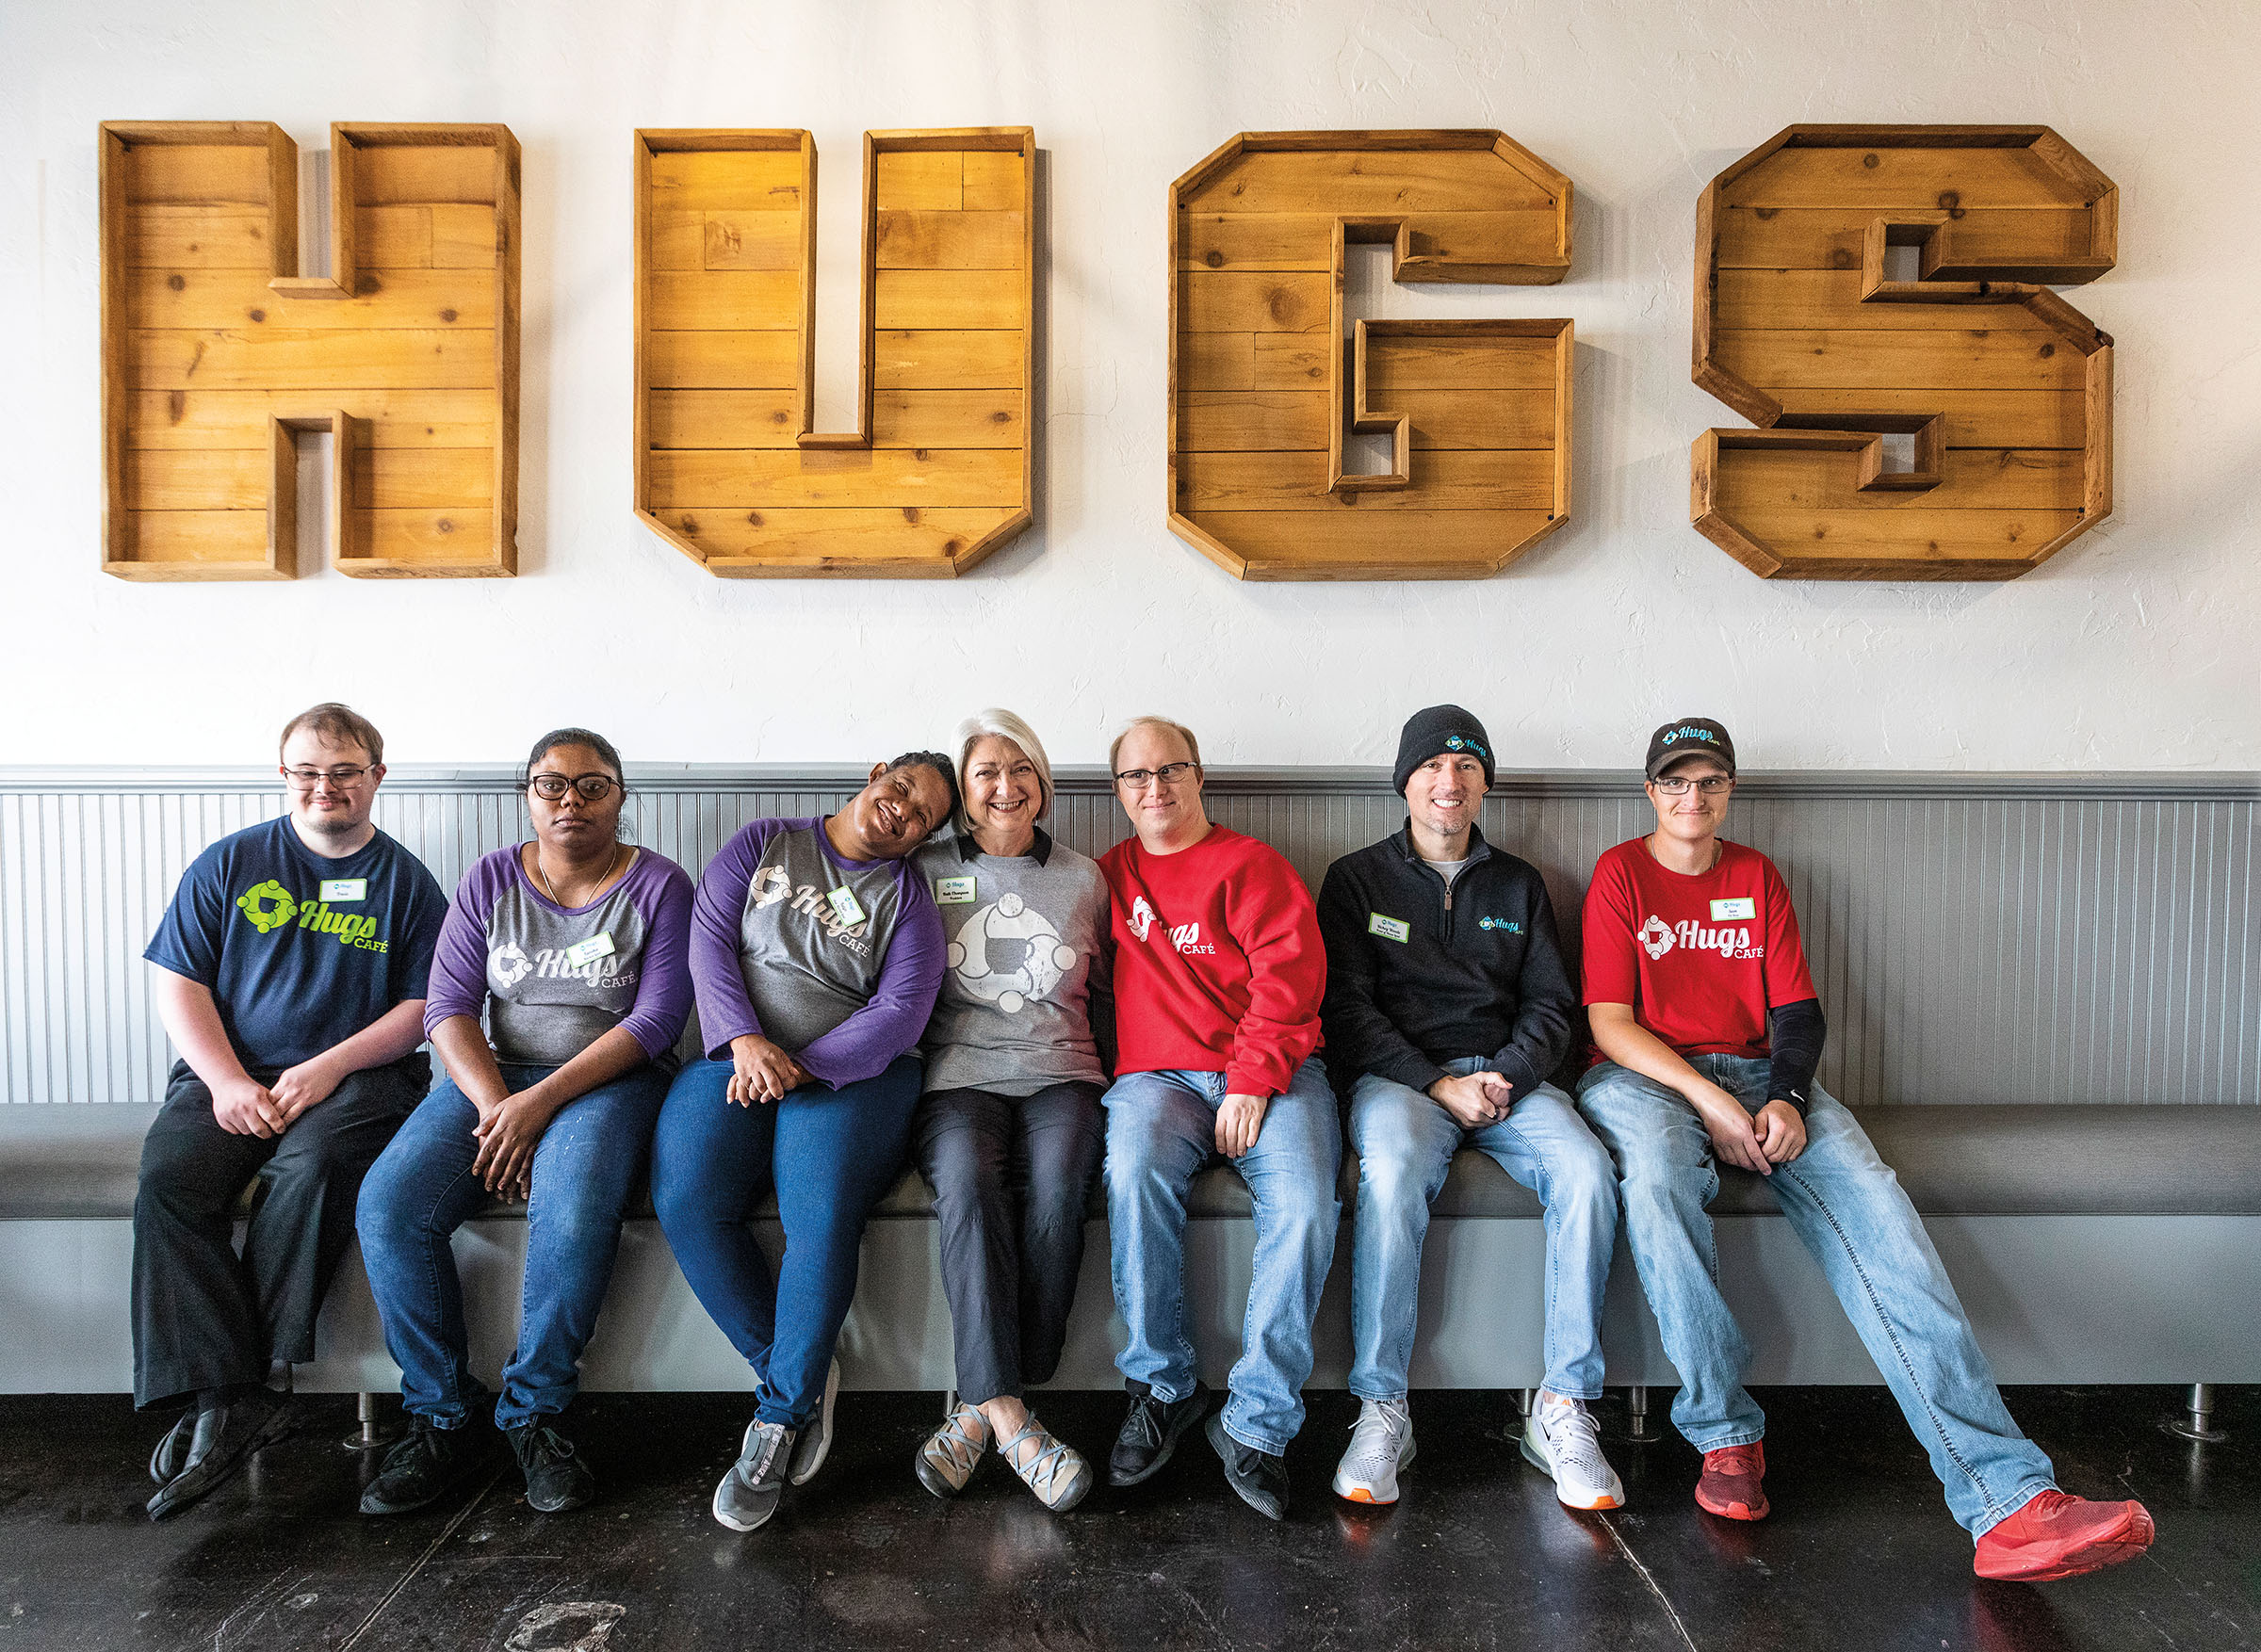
(1976, 938)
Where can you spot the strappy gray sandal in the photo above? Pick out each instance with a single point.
(953, 1451)
(1057, 1473)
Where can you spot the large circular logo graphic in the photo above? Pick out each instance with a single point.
(269, 905)
(1008, 954)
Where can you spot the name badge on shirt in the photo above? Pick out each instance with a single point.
(1390, 929)
(583, 953)
(345, 889)
(844, 907)
(1741, 907)
(950, 891)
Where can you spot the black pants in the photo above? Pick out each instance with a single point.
(204, 1317)
(1011, 1176)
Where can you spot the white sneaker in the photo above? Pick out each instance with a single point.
(1381, 1443)
(1560, 1438)
(810, 1450)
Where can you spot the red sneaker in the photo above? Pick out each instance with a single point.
(1730, 1487)
(2060, 1536)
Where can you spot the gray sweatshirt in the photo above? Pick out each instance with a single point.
(1024, 968)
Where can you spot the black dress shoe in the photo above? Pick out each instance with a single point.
(426, 1464)
(556, 1478)
(173, 1451)
(222, 1442)
(1260, 1478)
(1151, 1432)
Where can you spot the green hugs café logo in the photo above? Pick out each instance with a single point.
(271, 907)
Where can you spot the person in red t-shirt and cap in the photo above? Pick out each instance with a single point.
(1707, 1031)
(1219, 971)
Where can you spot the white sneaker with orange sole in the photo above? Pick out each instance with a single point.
(1381, 1443)
(1559, 1438)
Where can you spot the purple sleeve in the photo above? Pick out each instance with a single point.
(909, 978)
(716, 918)
(459, 962)
(663, 992)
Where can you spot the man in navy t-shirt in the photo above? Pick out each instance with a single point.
(290, 975)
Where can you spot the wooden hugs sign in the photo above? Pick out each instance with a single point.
(1268, 375)
(1808, 325)
(730, 469)
(216, 351)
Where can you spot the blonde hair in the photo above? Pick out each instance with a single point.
(1005, 725)
(1193, 747)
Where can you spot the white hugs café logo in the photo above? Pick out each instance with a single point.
(1656, 936)
(1140, 919)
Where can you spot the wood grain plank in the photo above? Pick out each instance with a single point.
(463, 236)
(1244, 241)
(1232, 422)
(947, 361)
(442, 478)
(269, 358)
(1774, 300)
(679, 238)
(1478, 418)
(948, 418)
(1401, 364)
(834, 540)
(1916, 536)
(752, 479)
(735, 300)
(750, 240)
(385, 174)
(1822, 239)
(951, 240)
(723, 361)
(385, 301)
(1420, 543)
(2004, 479)
(1975, 418)
(199, 479)
(1218, 363)
(209, 174)
(161, 235)
(1880, 180)
(727, 180)
(1449, 480)
(1368, 182)
(233, 537)
(995, 181)
(392, 237)
(1847, 359)
(458, 534)
(220, 419)
(916, 300)
(1293, 361)
(921, 180)
(1253, 301)
(723, 419)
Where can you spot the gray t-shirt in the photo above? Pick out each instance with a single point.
(810, 964)
(1024, 933)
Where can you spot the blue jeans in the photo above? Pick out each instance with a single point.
(422, 1190)
(1161, 1129)
(831, 1155)
(1847, 1207)
(1405, 1142)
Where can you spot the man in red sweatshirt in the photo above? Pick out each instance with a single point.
(1218, 975)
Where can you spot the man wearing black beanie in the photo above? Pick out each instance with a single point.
(1447, 1005)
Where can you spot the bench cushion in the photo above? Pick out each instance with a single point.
(80, 1162)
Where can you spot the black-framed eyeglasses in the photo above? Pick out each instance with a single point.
(593, 788)
(344, 775)
(1169, 774)
(1676, 785)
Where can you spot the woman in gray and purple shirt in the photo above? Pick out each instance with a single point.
(573, 948)
(817, 954)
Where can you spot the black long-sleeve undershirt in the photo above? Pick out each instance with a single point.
(1795, 1034)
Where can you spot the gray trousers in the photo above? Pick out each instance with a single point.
(205, 1317)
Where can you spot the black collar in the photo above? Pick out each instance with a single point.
(1041, 852)
(1477, 849)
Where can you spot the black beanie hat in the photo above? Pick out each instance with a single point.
(1432, 733)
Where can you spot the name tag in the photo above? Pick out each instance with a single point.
(844, 907)
(1390, 929)
(1744, 907)
(950, 891)
(583, 953)
(345, 889)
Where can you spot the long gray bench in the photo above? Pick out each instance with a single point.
(2105, 1244)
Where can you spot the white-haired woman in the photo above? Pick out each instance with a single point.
(1009, 1130)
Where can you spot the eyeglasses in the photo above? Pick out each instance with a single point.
(1169, 774)
(1676, 785)
(593, 788)
(344, 775)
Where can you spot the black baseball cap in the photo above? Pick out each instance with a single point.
(1689, 737)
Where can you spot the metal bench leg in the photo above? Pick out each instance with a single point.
(369, 1436)
(1637, 1427)
(949, 1404)
(2196, 1420)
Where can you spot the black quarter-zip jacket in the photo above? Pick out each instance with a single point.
(1420, 972)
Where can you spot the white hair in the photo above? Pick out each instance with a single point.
(1005, 725)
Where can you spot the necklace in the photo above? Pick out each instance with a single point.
(544, 877)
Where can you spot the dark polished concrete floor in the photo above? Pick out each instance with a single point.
(1860, 1552)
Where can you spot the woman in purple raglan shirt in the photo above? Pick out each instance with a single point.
(571, 949)
(816, 956)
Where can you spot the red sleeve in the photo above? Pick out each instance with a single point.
(1610, 971)
(1788, 981)
(1277, 928)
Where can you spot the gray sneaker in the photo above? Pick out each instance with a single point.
(810, 1450)
(748, 1495)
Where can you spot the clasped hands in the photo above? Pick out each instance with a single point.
(1478, 1099)
(1754, 1141)
(761, 1071)
(245, 1106)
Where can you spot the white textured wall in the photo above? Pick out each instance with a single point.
(2135, 648)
